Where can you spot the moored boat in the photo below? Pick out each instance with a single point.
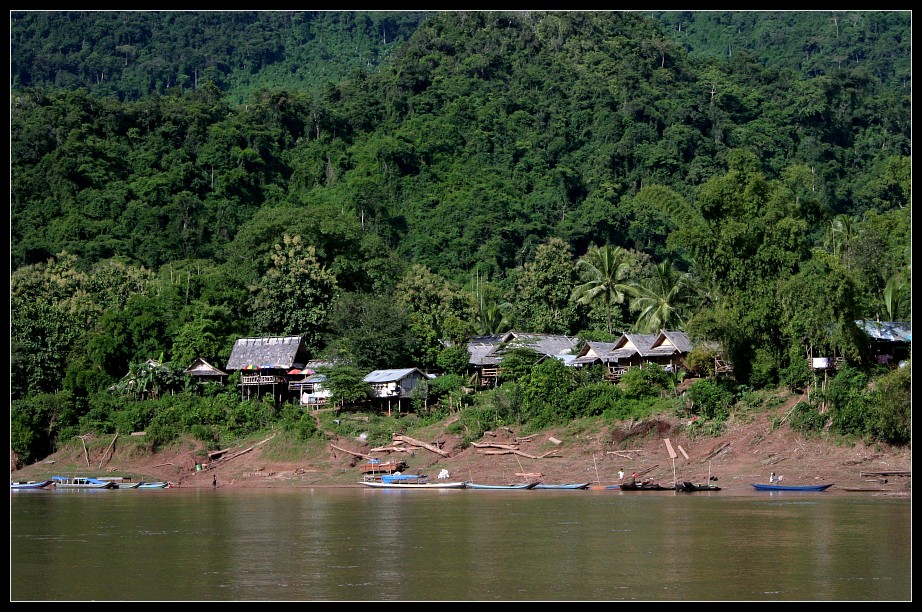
(780, 487)
(689, 487)
(519, 486)
(414, 485)
(157, 484)
(82, 482)
(408, 481)
(570, 485)
(644, 486)
(32, 484)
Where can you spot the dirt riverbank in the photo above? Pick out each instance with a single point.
(747, 452)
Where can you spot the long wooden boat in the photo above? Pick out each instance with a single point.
(81, 482)
(689, 487)
(779, 487)
(572, 485)
(865, 490)
(644, 486)
(32, 484)
(520, 486)
(157, 484)
(413, 485)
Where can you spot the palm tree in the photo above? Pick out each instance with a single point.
(603, 270)
(896, 297)
(492, 319)
(660, 300)
(840, 236)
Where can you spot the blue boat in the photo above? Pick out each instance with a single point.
(42, 484)
(780, 487)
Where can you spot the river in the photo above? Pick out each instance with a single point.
(355, 544)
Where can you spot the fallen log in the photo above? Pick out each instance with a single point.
(246, 450)
(526, 438)
(412, 442)
(217, 454)
(716, 451)
(494, 445)
(353, 453)
(393, 449)
(548, 454)
(108, 451)
(529, 475)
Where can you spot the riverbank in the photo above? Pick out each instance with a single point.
(584, 451)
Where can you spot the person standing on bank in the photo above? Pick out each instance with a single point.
(214, 481)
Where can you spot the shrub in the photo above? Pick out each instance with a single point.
(806, 419)
(648, 381)
(892, 402)
(710, 400)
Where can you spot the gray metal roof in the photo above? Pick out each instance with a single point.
(890, 331)
(488, 350)
(269, 352)
(385, 376)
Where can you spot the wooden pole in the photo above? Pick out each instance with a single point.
(597, 479)
(674, 482)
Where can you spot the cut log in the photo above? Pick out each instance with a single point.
(716, 451)
(554, 440)
(518, 452)
(494, 445)
(246, 450)
(393, 449)
(412, 442)
(353, 453)
(526, 438)
(108, 452)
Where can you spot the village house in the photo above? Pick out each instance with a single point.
(486, 352)
(398, 387)
(203, 372)
(667, 349)
(264, 364)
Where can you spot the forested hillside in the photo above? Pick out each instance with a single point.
(389, 184)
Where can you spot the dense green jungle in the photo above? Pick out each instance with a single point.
(388, 185)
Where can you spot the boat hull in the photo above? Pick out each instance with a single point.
(81, 482)
(414, 485)
(644, 487)
(777, 487)
(688, 487)
(522, 486)
(573, 485)
(19, 486)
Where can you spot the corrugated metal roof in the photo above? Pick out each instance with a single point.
(384, 376)
(889, 331)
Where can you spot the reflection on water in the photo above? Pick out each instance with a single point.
(453, 545)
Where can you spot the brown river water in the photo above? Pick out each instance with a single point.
(357, 544)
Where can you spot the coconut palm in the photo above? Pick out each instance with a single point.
(603, 271)
(660, 300)
(493, 319)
